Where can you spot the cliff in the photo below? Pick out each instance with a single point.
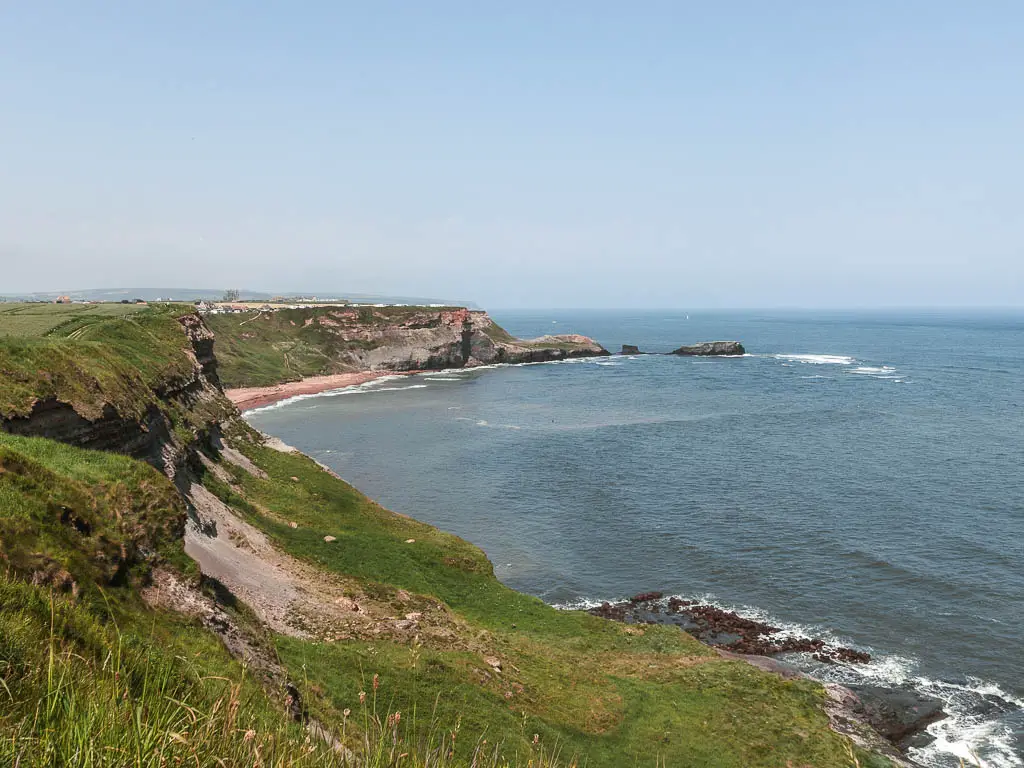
(147, 387)
(257, 553)
(266, 348)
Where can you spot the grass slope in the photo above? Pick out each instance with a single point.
(607, 693)
(92, 676)
(90, 358)
(29, 319)
(260, 349)
(88, 674)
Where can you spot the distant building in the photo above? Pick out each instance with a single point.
(62, 300)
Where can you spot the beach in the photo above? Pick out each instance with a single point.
(247, 398)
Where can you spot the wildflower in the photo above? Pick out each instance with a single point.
(376, 681)
(346, 712)
(249, 735)
(398, 717)
(362, 697)
(536, 738)
(508, 694)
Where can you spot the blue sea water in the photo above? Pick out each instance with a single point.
(855, 476)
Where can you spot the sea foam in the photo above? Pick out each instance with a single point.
(817, 359)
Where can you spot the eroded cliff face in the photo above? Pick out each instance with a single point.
(431, 339)
(181, 409)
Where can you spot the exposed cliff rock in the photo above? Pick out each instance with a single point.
(710, 349)
(263, 349)
(449, 338)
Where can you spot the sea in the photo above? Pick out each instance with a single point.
(857, 476)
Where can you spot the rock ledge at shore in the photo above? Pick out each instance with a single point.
(900, 715)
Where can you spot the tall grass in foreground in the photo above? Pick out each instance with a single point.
(75, 691)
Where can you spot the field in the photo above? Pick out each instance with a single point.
(30, 320)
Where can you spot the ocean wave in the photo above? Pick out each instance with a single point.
(881, 371)
(373, 385)
(394, 389)
(279, 404)
(817, 359)
(442, 373)
(980, 714)
(485, 423)
(445, 374)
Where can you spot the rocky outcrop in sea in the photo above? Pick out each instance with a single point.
(710, 349)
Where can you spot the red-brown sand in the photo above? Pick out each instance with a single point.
(247, 398)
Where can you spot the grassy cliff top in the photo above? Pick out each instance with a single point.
(89, 355)
(35, 319)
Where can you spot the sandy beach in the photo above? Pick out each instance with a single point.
(247, 398)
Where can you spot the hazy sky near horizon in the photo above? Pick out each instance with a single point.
(583, 154)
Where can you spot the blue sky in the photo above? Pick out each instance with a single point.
(581, 154)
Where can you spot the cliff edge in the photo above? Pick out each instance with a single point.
(264, 348)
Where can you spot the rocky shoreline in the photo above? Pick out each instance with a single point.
(900, 715)
(723, 629)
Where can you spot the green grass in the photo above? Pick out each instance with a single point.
(90, 676)
(496, 333)
(31, 319)
(109, 360)
(260, 349)
(110, 366)
(81, 519)
(78, 689)
(82, 690)
(600, 690)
